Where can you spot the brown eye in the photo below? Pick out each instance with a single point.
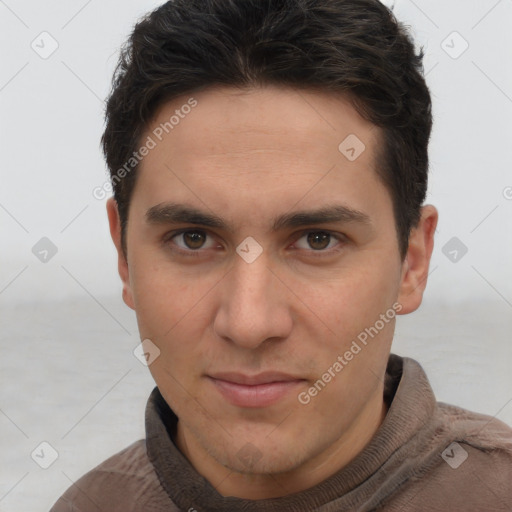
(319, 240)
(193, 243)
(320, 243)
(194, 239)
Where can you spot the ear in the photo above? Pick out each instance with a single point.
(122, 264)
(417, 261)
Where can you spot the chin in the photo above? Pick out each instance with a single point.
(261, 457)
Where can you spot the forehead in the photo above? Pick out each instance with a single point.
(266, 146)
(226, 120)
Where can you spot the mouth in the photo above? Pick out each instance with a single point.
(255, 391)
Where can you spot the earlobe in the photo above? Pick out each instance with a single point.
(417, 260)
(115, 232)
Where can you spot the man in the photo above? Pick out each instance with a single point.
(269, 162)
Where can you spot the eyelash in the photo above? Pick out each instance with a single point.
(198, 252)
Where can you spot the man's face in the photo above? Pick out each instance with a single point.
(237, 306)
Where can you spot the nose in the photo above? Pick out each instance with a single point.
(253, 306)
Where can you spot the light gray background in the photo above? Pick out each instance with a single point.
(67, 372)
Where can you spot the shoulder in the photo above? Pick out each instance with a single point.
(482, 432)
(124, 482)
(470, 466)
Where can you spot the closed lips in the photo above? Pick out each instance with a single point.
(260, 390)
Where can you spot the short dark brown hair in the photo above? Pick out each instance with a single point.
(355, 47)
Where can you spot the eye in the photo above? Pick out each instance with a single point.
(318, 241)
(190, 240)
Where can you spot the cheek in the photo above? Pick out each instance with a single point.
(170, 310)
(168, 314)
(162, 296)
(353, 355)
(356, 299)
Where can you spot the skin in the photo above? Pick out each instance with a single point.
(248, 157)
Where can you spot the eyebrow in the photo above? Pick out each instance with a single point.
(174, 213)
